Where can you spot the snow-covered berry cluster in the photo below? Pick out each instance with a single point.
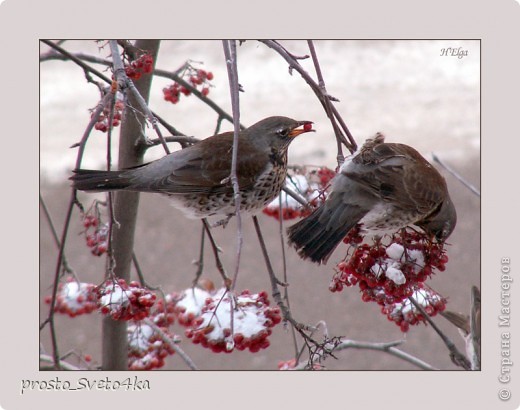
(189, 304)
(163, 312)
(124, 301)
(389, 273)
(146, 347)
(198, 78)
(405, 313)
(312, 185)
(74, 298)
(253, 320)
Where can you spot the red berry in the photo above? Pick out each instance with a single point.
(101, 126)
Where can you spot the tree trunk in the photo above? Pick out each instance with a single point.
(115, 346)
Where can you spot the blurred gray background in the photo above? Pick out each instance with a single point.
(404, 89)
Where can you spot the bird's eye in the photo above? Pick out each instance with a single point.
(283, 132)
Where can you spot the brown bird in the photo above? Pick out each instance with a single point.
(197, 177)
(384, 187)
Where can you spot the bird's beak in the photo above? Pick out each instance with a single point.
(306, 127)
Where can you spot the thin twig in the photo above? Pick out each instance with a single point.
(140, 275)
(62, 364)
(76, 60)
(387, 348)
(200, 262)
(457, 357)
(149, 113)
(284, 267)
(294, 64)
(59, 263)
(295, 195)
(219, 124)
(317, 67)
(63, 238)
(123, 82)
(168, 340)
(327, 101)
(95, 117)
(471, 187)
(231, 64)
(215, 107)
(220, 267)
(181, 139)
(65, 263)
(276, 292)
(157, 72)
(110, 261)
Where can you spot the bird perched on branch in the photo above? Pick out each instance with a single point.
(197, 178)
(383, 187)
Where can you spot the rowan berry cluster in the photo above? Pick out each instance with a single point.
(253, 320)
(189, 304)
(146, 346)
(140, 66)
(390, 273)
(405, 313)
(163, 313)
(102, 122)
(312, 185)
(96, 234)
(74, 298)
(198, 79)
(124, 301)
(205, 312)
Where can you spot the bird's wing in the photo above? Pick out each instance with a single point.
(396, 173)
(201, 168)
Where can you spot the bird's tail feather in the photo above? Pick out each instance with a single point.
(90, 180)
(318, 235)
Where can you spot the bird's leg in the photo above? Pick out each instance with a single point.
(220, 267)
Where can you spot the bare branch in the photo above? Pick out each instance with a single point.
(457, 357)
(230, 52)
(389, 348)
(183, 140)
(220, 267)
(168, 340)
(89, 69)
(44, 358)
(301, 328)
(471, 187)
(324, 99)
(157, 71)
(66, 266)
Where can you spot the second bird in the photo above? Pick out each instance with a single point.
(384, 187)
